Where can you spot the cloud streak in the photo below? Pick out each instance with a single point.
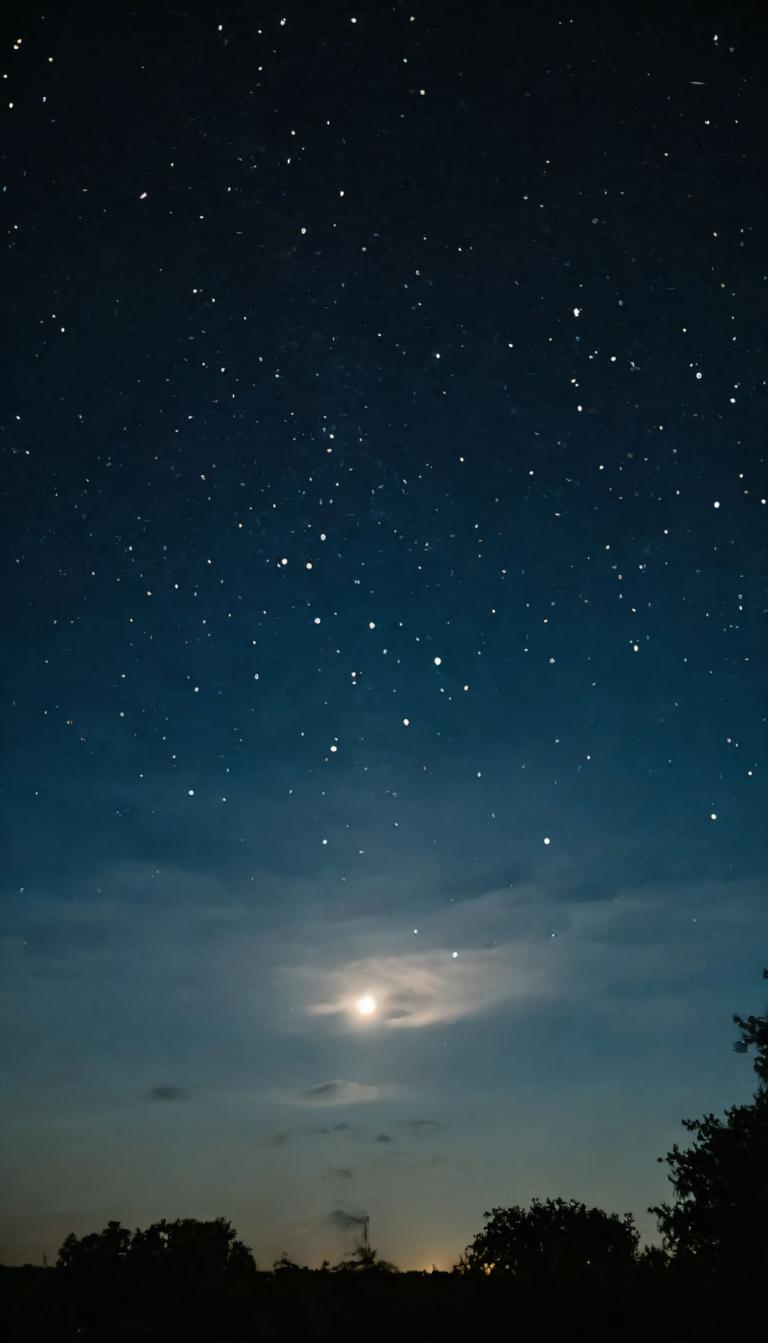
(335, 1092)
(539, 946)
(346, 1218)
(167, 1093)
(423, 1128)
(433, 987)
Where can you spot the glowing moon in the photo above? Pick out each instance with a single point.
(366, 1005)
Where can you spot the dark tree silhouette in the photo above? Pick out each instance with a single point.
(720, 1213)
(186, 1247)
(191, 1279)
(101, 1249)
(754, 1034)
(555, 1239)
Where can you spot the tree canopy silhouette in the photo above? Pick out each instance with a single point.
(720, 1210)
(185, 1248)
(555, 1238)
(99, 1250)
(754, 1034)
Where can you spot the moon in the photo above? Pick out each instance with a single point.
(366, 1005)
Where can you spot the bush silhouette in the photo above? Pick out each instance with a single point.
(364, 1260)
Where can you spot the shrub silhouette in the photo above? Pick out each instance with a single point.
(364, 1260)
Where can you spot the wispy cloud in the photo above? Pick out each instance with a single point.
(335, 1092)
(168, 1093)
(345, 1218)
(537, 946)
(423, 1128)
(432, 987)
(278, 1139)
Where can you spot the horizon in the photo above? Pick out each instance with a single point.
(385, 499)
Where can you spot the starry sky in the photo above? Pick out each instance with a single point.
(384, 519)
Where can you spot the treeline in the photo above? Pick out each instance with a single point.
(555, 1267)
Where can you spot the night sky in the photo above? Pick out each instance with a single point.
(384, 685)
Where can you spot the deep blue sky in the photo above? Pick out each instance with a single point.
(384, 509)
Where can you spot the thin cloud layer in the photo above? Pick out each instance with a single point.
(539, 946)
(431, 988)
(335, 1092)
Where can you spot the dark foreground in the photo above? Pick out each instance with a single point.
(370, 1307)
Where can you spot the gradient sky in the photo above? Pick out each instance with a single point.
(384, 509)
